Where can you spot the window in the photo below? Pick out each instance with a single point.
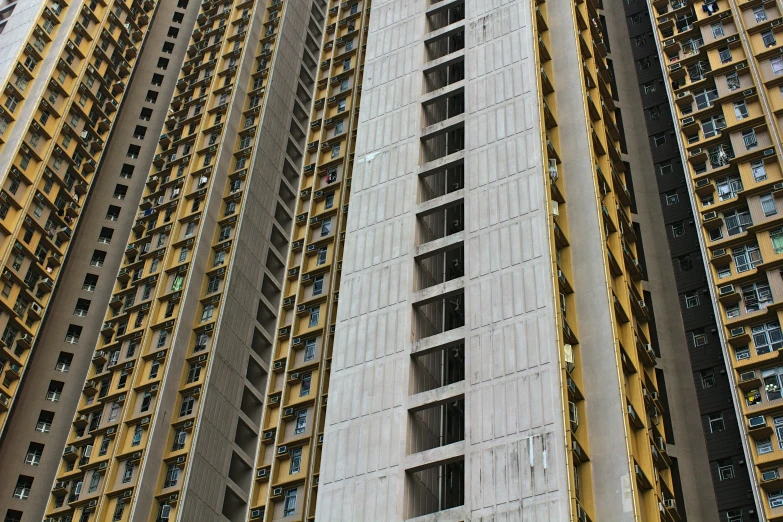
(98, 257)
(318, 284)
(740, 110)
(640, 40)
(219, 258)
(104, 448)
(289, 503)
(146, 401)
(768, 37)
(296, 461)
(54, 391)
(724, 53)
(326, 227)
(659, 139)
(758, 169)
(137, 433)
(678, 229)
(309, 353)
(95, 478)
(64, 362)
(304, 388)
(172, 476)
(113, 214)
(23, 486)
(329, 201)
(194, 373)
(82, 307)
(737, 221)
(315, 312)
(692, 299)
(154, 369)
(114, 411)
(767, 337)
(335, 150)
(105, 235)
(707, 378)
(162, 336)
(715, 422)
(44, 424)
(768, 205)
(213, 284)
(746, 257)
(749, 138)
(729, 187)
(206, 314)
(699, 337)
(127, 473)
(16, 516)
(180, 436)
(717, 30)
(341, 106)
(34, 452)
(725, 469)
(671, 198)
(186, 408)
(777, 64)
(760, 14)
(643, 63)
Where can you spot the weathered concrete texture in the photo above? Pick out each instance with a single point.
(513, 450)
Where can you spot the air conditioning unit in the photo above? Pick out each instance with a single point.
(731, 39)
(274, 399)
(718, 252)
(92, 503)
(262, 473)
(320, 439)
(772, 474)
(269, 435)
(689, 120)
(256, 513)
(708, 216)
(278, 365)
(777, 502)
(282, 450)
(669, 503)
(181, 460)
(736, 332)
(297, 341)
(294, 376)
(747, 92)
(726, 290)
(702, 183)
(288, 412)
(778, 186)
(757, 422)
(747, 376)
(277, 492)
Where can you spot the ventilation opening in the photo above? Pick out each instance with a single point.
(282, 217)
(270, 290)
(444, 74)
(436, 426)
(442, 265)
(446, 43)
(444, 107)
(274, 265)
(441, 222)
(278, 240)
(251, 406)
(436, 489)
(233, 507)
(440, 314)
(266, 318)
(255, 375)
(440, 18)
(440, 144)
(245, 437)
(261, 345)
(437, 369)
(441, 182)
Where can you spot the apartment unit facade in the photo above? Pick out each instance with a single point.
(478, 367)
(714, 390)
(168, 421)
(722, 62)
(36, 434)
(446, 166)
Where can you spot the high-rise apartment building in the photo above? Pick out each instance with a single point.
(723, 74)
(390, 260)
